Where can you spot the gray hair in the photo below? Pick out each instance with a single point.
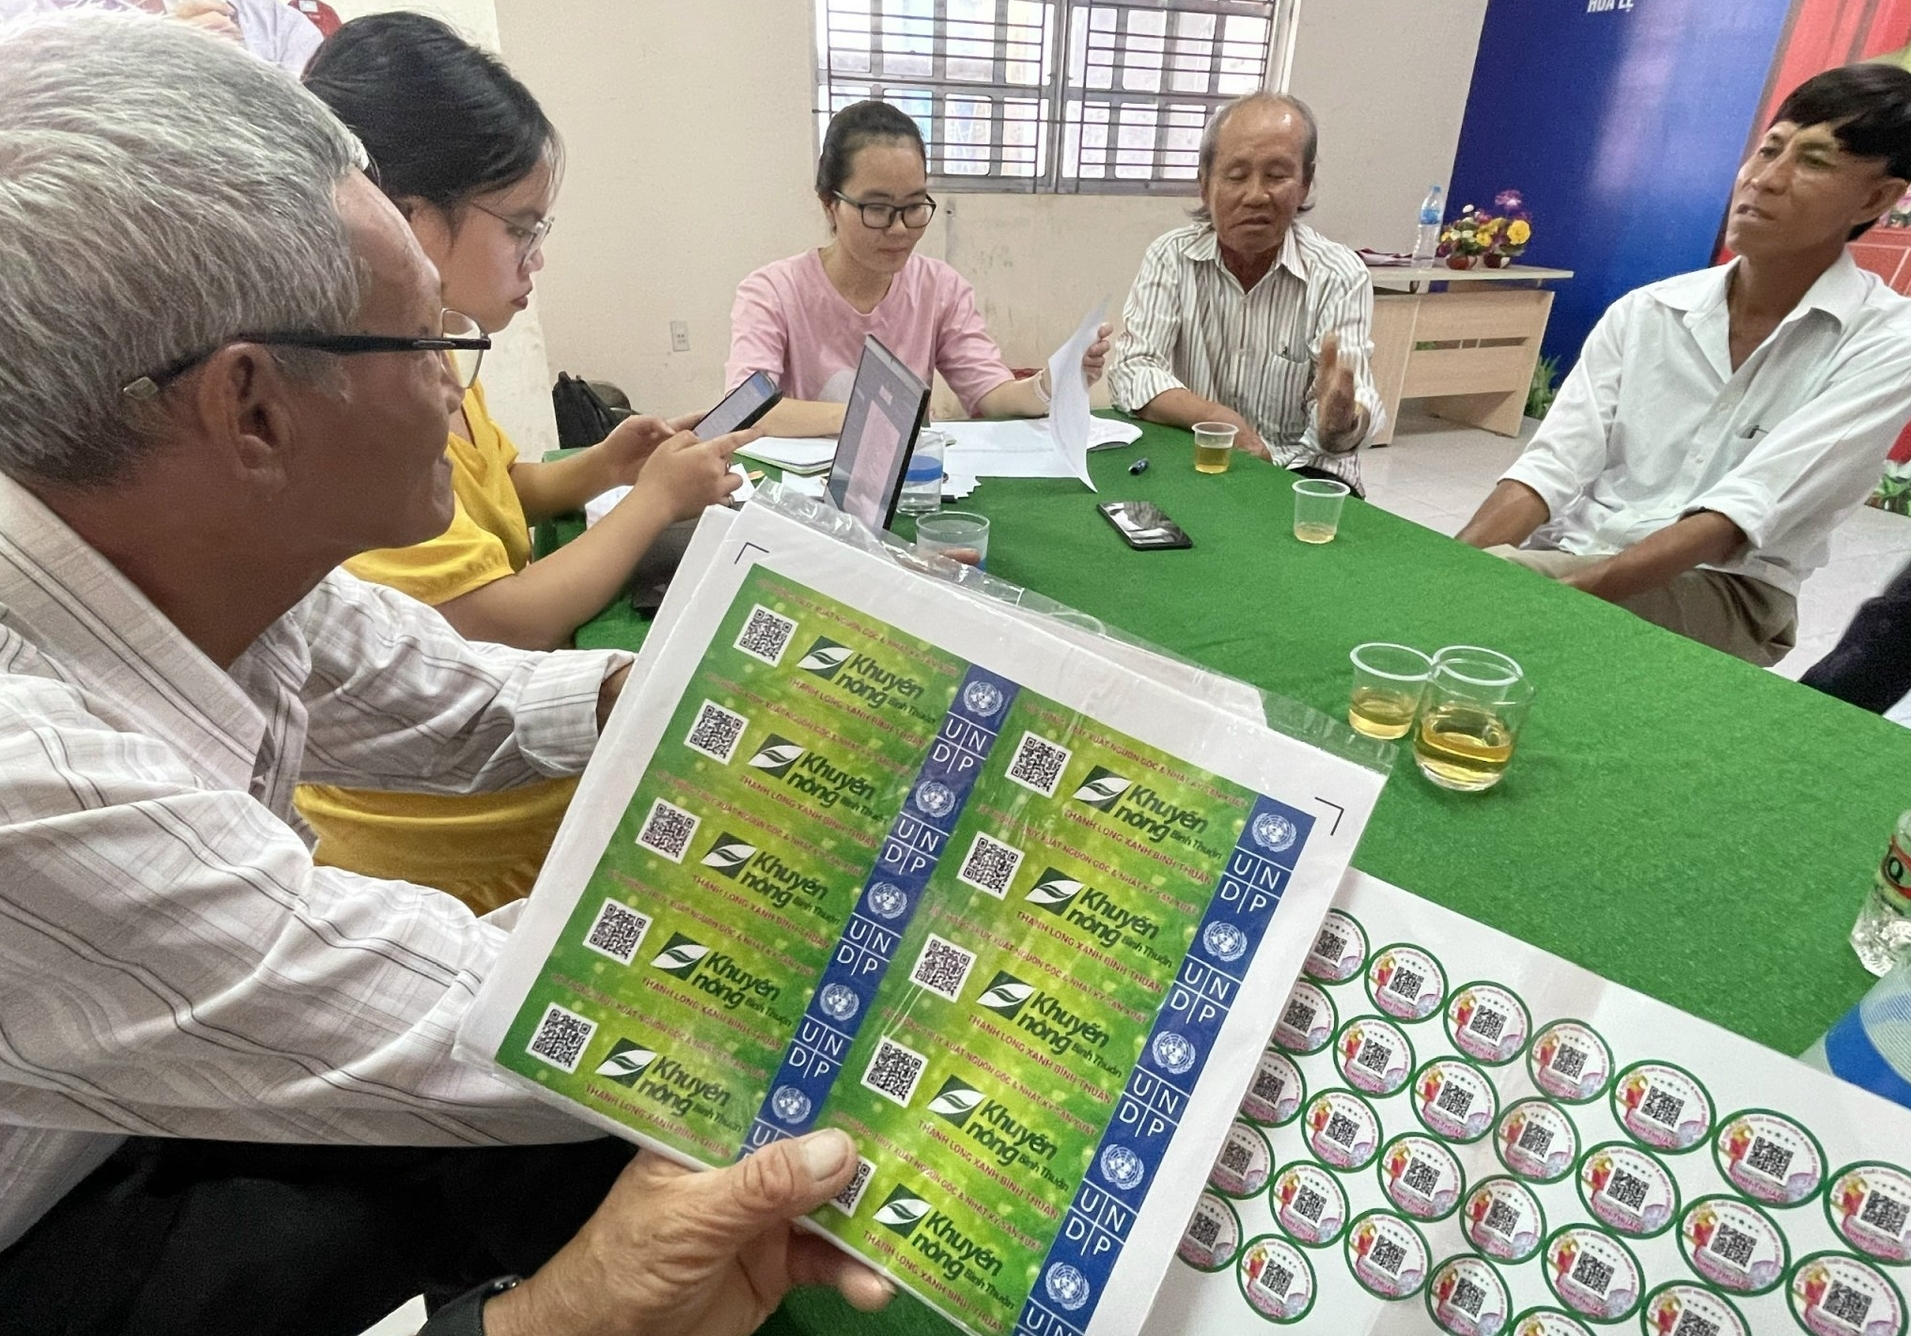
(1211, 136)
(161, 192)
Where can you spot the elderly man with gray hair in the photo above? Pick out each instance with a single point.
(1248, 317)
(227, 1096)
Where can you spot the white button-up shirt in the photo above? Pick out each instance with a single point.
(171, 962)
(1654, 424)
(1190, 325)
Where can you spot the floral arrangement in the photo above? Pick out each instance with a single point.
(1501, 237)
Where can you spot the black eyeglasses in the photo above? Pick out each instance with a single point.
(462, 342)
(530, 240)
(915, 216)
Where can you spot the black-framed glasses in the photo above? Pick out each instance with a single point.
(461, 341)
(880, 216)
(530, 239)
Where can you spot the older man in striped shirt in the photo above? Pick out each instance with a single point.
(1250, 318)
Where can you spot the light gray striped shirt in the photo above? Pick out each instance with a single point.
(1189, 325)
(171, 961)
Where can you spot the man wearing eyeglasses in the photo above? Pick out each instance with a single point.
(227, 1098)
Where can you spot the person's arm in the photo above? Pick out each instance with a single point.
(801, 417)
(1030, 396)
(1701, 539)
(562, 486)
(541, 606)
(1508, 516)
(1347, 407)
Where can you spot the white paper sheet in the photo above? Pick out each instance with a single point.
(604, 502)
(1068, 416)
(806, 454)
(1012, 448)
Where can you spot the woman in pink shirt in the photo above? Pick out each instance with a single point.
(802, 320)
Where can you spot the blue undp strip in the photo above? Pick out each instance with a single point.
(888, 901)
(1071, 1279)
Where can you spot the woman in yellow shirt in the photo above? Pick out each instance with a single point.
(468, 156)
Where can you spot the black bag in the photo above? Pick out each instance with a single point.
(586, 410)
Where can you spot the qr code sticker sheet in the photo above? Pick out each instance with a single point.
(1453, 1132)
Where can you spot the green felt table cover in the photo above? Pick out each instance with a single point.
(1678, 821)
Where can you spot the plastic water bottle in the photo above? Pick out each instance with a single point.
(1427, 240)
(1871, 1046)
(1882, 935)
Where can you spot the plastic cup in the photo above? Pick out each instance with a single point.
(1388, 682)
(922, 479)
(1317, 505)
(959, 535)
(1475, 703)
(1213, 446)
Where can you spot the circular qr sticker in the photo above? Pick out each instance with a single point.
(1488, 1023)
(1569, 1062)
(1455, 1100)
(1681, 1306)
(1224, 941)
(1552, 1322)
(1869, 1207)
(1308, 1203)
(935, 798)
(790, 1104)
(1503, 1219)
(1342, 1129)
(1406, 982)
(1213, 1235)
(1387, 1255)
(983, 698)
(1662, 1106)
(1734, 1245)
(838, 1001)
(888, 899)
(1274, 832)
(1274, 1095)
(1122, 1167)
(1421, 1177)
(1833, 1294)
(1175, 1052)
(1593, 1273)
(1770, 1158)
(1067, 1286)
(1307, 1021)
(1339, 951)
(1467, 1297)
(1536, 1141)
(1373, 1055)
(1275, 1279)
(1242, 1167)
(1628, 1191)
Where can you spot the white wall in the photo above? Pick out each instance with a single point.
(691, 149)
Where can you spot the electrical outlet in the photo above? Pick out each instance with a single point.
(679, 336)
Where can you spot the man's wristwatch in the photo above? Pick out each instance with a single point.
(464, 1315)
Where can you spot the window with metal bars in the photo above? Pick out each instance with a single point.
(1060, 96)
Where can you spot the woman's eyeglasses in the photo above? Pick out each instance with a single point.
(880, 216)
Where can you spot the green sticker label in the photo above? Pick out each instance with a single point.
(1275, 1094)
(1455, 1100)
(1593, 1273)
(1309, 1204)
(1770, 1158)
(1662, 1106)
(1213, 1236)
(1734, 1245)
(1488, 1023)
(1387, 1255)
(1307, 1021)
(1421, 1177)
(1467, 1297)
(1537, 1141)
(1503, 1219)
(1275, 1279)
(1628, 1191)
(1406, 982)
(1869, 1206)
(1832, 1294)
(1373, 1055)
(1679, 1306)
(1342, 1129)
(1339, 951)
(1242, 1167)
(1570, 1062)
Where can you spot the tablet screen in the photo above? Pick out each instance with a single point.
(879, 427)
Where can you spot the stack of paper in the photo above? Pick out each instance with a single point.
(793, 454)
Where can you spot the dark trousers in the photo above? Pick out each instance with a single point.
(198, 1238)
(1871, 665)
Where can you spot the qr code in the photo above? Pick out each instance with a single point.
(1405, 983)
(1884, 1214)
(894, 1071)
(1628, 1190)
(765, 635)
(1236, 1158)
(1374, 1055)
(1734, 1245)
(1275, 1279)
(990, 865)
(1594, 1274)
(1330, 945)
(668, 830)
(1535, 1139)
(1769, 1158)
(1487, 1024)
(1341, 1130)
(1268, 1087)
(618, 932)
(942, 968)
(1691, 1324)
(1299, 1016)
(1387, 1255)
(716, 732)
(851, 1196)
(1038, 764)
(1569, 1062)
(1309, 1203)
(1468, 1296)
(1205, 1229)
(561, 1037)
(1502, 1219)
(1455, 1099)
(1847, 1305)
(1422, 1177)
(1662, 1107)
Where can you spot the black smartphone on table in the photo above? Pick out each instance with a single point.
(742, 407)
(1143, 526)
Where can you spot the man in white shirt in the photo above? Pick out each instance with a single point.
(1248, 317)
(270, 29)
(227, 1098)
(1720, 424)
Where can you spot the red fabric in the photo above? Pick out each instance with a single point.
(323, 16)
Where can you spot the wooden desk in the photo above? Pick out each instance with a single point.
(1470, 348)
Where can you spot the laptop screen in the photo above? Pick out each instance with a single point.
(885, 411)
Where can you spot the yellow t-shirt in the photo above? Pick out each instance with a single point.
(485, 849)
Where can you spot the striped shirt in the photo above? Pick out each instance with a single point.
(1189, 325)
(171, 962)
